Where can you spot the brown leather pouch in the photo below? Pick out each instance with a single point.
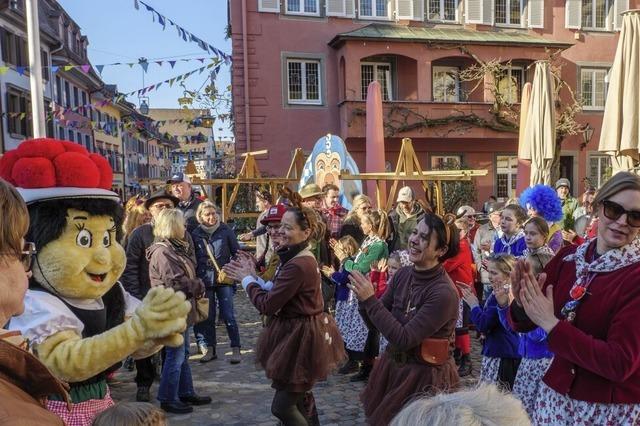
(434, 351)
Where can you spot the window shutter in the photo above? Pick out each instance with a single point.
(473, 11)
(350, 8)
(272, 6)
(619, 7)
(336, 7)
(418, 10)
(488, 11)
(404, 9)
(573, 14)
(536, 13)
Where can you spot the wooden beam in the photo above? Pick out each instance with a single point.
(254, 153)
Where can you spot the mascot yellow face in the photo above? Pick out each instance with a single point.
(85, 261)
(328, 168)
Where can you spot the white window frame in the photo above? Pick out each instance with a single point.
(303, 82)
(511, 172)
(446, 69)
(522, 81)
(389, 77)
(508, 14)
(302, 12)
(601, 167)
(386, 17)
(593, 71)
(609, 6)
(445, 159)
(441, 17)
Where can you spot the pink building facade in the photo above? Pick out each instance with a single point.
(301, 69)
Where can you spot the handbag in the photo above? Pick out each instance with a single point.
(221, 276)
(202, 309)
(434, 351)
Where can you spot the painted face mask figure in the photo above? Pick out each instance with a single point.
(79, 321)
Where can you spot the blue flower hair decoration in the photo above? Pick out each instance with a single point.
(544, 200)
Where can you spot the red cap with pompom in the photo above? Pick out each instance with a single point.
(50, 164)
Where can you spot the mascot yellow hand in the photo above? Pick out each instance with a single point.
(161, 315)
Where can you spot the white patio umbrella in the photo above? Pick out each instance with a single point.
(620, 137)
(540, 130)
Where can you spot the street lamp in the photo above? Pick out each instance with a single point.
(587, 134)
(144, 107)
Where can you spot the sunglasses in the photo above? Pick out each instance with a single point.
(613, 211)
(26, 255)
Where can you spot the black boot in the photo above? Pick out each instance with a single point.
(363, 374)
(465, 365)
(350, 367)
(457, 356)
(143, 394)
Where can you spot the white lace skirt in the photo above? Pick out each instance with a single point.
(351, 325)
(489, 369)
(552, 408)
(529, 380)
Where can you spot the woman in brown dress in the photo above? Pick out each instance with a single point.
(417, 314)
(300, 343)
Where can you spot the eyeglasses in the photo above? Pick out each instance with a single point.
(162, 205)
(613, 211)
(26, 255)
(273, 227)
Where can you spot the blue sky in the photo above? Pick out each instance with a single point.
(117, 32)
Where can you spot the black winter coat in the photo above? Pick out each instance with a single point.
(225, 246)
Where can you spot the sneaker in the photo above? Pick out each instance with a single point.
(142, 395)
(202, 348)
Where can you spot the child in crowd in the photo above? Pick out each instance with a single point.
(542, 201)
(500, 349)
(350, 247)
(512, 239)
(397, 260)
(536, 232)
(131, 414)
(533, 348)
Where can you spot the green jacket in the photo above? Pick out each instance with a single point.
(369, 252)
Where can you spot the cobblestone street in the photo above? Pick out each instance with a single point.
(241, 393)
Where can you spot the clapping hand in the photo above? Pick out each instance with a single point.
(361, 286)
(503, 294)
(245, 237)
(338, 250)
(467, 295)
(537, 305)
(238, 269)
(381, 266)
(327, 271)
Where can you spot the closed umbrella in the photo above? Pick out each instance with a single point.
(620, 137)
(375, 161)
(524, 148)
(540, 130)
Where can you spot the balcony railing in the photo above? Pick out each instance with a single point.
(425, 119)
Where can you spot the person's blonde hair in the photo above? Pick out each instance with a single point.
(379, 221)
(206, 204)
(14, 220)
(358, 201)
(504, 262)
(131, 414)
(136, 214)
(169, 224)
(619, 182)
(483, 406)
(349, 245)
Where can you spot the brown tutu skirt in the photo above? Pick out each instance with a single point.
(297, 352)
(391, 386)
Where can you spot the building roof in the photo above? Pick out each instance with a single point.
(405, 33)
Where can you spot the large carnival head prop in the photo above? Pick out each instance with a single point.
(328, 158)
(75, 217)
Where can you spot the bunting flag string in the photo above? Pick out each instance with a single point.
(173, 80)
(85, 68)
(182, 33)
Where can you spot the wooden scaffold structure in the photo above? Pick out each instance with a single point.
(408, 168)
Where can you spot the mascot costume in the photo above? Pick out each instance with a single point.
(78, 319)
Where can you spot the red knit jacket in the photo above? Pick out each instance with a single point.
(460, 266)
(597, 357)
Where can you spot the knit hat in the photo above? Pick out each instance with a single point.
(563, 182)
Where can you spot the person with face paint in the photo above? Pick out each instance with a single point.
(417, 315)
(300, 344)
(588, 302)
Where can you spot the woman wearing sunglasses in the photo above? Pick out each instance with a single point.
(588, 302)
(24, 380)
